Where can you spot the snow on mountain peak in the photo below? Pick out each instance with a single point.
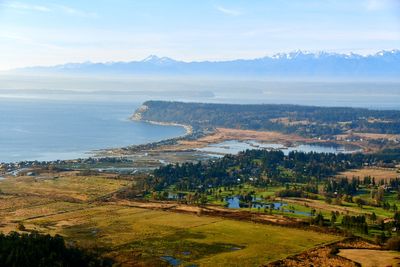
(155, 59)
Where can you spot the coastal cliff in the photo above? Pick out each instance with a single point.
(142, 111)
(138, 115)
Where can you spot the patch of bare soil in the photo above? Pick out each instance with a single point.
(372, 258)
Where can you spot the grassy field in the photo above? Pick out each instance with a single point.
(65, 205)
(66, 186)
(140, 235)
(302, 206)
(22, 198)
(70, 205)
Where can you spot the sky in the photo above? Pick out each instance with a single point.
(51, 32)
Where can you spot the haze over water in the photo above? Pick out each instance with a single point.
(67, 126)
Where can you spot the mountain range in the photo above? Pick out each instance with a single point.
(384, 64)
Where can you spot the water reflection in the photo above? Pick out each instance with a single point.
(171, 260)
(235, 203)
(235, 146)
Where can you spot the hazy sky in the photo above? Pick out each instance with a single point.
(34, 32)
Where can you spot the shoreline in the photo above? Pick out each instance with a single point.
(188, 128)
(199, 139)
(116, 151)
(137, 116)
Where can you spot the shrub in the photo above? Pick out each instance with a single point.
(334, 250)
(21, 226)
(393, 243)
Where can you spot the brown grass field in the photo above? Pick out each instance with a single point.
(323, 256)
(135, 236)
(141, 233)
(372, 258)
(378, 173)
(65, 186)
(373, 136)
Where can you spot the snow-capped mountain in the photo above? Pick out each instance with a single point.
(158, 60)
(384, 64)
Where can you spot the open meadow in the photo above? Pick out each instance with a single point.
(87, 211)
(142, 236)
(135, 236)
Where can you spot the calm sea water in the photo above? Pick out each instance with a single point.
(50, 124)
(49, 129)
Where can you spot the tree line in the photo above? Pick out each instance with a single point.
(37, 250)
(264, 168)
(318, 121)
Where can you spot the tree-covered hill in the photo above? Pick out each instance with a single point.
(308, 121)
(37, 250)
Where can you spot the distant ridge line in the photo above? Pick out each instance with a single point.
(385, 63)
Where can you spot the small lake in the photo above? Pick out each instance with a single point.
(171, 260)
(234, 147)
(234, 203)
(175, 196)
(121, 170)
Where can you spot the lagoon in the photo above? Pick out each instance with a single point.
(235, 146)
